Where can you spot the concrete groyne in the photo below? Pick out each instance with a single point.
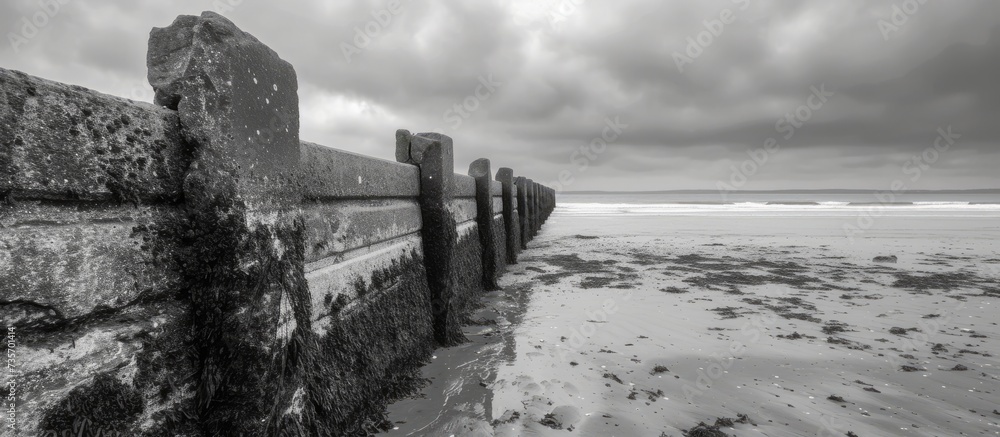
(191, 267)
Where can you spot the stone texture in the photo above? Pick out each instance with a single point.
(330, 173)
(434, 155)
(500, 242)
(339, 226)
(480, 171)
(511, 220)
(237, 102)
(64, 142)
(371, 353)
(124, 373)
(467, 272)
(532, 199)
(70, 262)
(337, 283)
(463, 209)
(523, 211)
(238, 107)
(464, 186)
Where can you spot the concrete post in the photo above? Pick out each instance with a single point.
(433, 154)
(523, 211)
(548, 202)
(480, 171)
(511, 220)
(241, 234)
(529, 188)
(533, 205)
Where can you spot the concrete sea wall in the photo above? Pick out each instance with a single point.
(191, 267)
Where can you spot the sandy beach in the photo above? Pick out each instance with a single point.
(754, 324)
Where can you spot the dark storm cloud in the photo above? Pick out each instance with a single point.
(550, 74)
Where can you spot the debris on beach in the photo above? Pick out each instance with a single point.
(613, 377)
(897, 330)
(833, 327)
(705, 430)
(885, 259)
(550, 421)
(508, 416)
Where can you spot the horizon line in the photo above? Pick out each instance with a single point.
(785, 191)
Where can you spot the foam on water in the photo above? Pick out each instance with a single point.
(955, 209)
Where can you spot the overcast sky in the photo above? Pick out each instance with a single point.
(696, 87)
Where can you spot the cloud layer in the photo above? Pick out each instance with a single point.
(530, 83)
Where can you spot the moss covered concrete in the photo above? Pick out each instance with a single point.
(371, 353)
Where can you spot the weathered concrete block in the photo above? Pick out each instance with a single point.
(532, 198)
(371, 316)
(64, 142)
(464, 186)
(123, 373)
(480, 171)
(67, 263)
(500, 241)
(433, 154)
(330, 173)
(336, 227)
(508, 199)
(463, 209)
(496, 188)
(467, 272)
(337, 283)
(237, 103)
(524, 214)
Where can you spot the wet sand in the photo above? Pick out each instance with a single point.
(729, 326)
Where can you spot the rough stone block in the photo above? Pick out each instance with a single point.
(237, 102)
(464, 186)
(337, 227)
(433, 153)
(64, 142)
(480, 171)
(508, 209)
(330, 173)
(64, 263)
(463, 209)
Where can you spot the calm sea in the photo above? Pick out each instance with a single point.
(798, 204)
